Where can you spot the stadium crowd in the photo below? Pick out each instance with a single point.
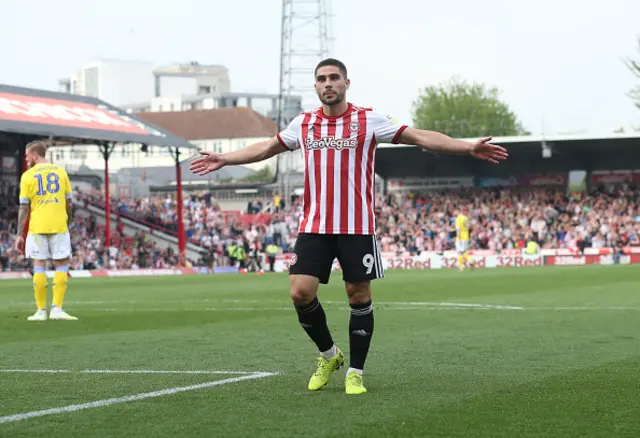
(206, 224)
(406, 224)
(410, 223)
(509, 218)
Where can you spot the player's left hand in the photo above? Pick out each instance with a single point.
(208, 162)
(482, 150)
(19, 245)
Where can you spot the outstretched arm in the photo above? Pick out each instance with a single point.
(210, 161)
(437, 142)
(256, 152)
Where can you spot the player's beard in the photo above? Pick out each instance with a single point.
(336, 99)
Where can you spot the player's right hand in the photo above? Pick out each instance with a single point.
(208, 162)
(19, 245)
(483, 150)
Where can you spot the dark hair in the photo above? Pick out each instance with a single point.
(332, 62)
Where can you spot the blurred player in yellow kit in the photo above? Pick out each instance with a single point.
(462, 238)
(45, 192)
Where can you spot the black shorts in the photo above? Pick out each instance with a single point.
(358, 255)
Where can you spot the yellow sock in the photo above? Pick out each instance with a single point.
(40, 288)
(460, 262)
(466, 257)
(59, 286)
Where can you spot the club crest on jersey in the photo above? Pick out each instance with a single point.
(354, 126)
(331, 143)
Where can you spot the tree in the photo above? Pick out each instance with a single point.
(463, 110)
(634, 66)
(264, 174)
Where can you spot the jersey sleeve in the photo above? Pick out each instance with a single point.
(386, 128)
(289, 136)
(24, 196)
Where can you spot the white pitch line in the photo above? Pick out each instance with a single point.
(386, 306)
(400, 305)
(129, 398)
(261, 309)
(583, 308)
(494, 307)
(130, 371)
(204, 309)
(482, 306)
(441, 308)
(383, 303)
(178, 309)
(240, 309)
(433, 304)
(100, 302)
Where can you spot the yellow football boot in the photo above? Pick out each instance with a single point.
(353, 384)
(324, 370)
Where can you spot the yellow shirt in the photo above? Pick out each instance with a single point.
(462, 226)
(46, 188)
(532, 248)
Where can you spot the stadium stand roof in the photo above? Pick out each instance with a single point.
(27, 114)
(565, 153)
(44, 113)
(217, 123)
(585, 140)
(165, 175)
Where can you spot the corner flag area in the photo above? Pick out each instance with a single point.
(503, 352)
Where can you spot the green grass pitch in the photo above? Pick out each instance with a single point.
(496, 352)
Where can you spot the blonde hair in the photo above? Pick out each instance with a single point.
(39, 147)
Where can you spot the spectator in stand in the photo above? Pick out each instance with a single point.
(407, 223)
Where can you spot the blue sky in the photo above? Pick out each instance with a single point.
(558, 63)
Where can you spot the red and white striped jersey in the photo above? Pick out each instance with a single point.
(339, 174)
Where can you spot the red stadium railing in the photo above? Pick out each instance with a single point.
(246, 220)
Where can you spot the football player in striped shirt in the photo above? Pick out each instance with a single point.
(338, 142)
